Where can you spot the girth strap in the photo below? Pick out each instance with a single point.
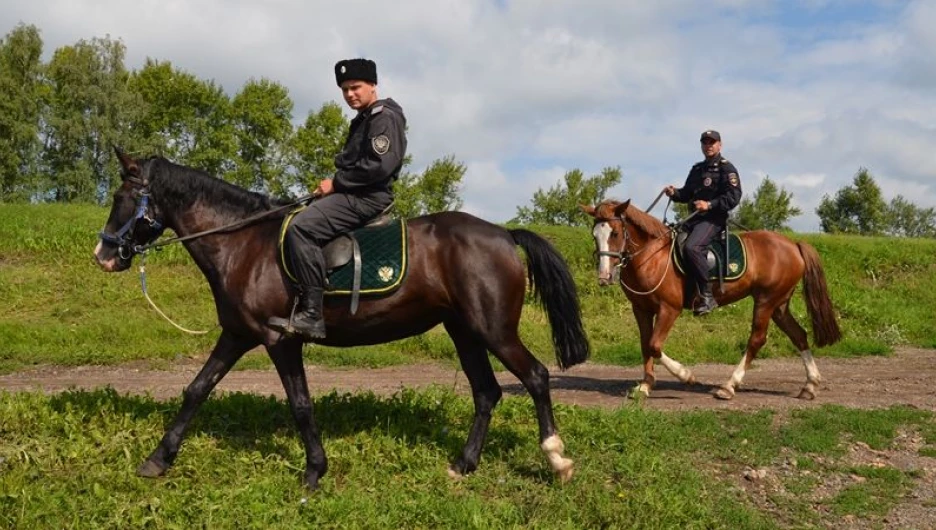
(356, 285)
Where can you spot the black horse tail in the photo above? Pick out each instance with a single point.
(552, 285)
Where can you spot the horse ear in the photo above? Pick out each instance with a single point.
(129, 165)
(590, 210)
(621, 208)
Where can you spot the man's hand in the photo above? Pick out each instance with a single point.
(702, 206)
(326, 187)
(669, 191)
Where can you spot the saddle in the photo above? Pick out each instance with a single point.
(370, 260)
(726, 256)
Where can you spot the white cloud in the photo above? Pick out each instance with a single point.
(524, 90)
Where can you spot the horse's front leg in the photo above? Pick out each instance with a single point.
(226, 352)
(287, 357)
(652, 336)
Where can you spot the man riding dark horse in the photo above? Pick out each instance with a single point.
(360, 190)
(712, 189)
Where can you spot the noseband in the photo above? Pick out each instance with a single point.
(123, 237)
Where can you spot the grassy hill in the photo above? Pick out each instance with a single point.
(57, 307)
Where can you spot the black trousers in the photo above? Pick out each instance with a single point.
(701, 233)
(323, 220)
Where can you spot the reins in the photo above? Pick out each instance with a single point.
(626, 257)
(142, 250)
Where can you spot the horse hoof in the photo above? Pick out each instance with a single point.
(806, 394)
(454, 474)
(691, 381)
(724, 393)
(311, 481)
(150, 469)
(565, 474)
(639, 392)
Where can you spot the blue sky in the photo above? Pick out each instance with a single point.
(522, 91)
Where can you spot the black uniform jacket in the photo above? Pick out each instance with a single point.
(715, 180)
(373, 152)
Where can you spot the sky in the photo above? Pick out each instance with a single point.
(522, 91)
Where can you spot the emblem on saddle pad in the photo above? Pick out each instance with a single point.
(732, 267)
(385, 274)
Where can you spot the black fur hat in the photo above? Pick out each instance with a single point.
(360, 69)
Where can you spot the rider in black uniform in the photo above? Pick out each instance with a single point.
(361, 189)
(712, 189)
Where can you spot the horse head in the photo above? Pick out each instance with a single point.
(610, 233)
(134, 219)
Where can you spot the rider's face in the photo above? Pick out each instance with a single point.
(359, 94)
(710, 147)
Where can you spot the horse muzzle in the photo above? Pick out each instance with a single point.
(112, 258)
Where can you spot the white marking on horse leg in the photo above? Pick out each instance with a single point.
(642, 388)
(681, 372)
(813, 378)
(727, 390)
(553, 447)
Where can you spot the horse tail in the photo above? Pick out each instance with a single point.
(553, 286)
(824, 324)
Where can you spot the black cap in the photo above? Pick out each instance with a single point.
(713, 135)
(358, 69)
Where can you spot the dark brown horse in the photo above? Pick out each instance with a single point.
(463, 272)
(639, 246)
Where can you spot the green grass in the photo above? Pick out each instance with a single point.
(67, 461)
(59, 308)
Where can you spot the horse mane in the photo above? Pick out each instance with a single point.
(181, 186)
(649, 224)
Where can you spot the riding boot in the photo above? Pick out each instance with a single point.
(706, 300)
(309, 321)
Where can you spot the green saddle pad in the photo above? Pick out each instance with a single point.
(383, 261)
(732, 268)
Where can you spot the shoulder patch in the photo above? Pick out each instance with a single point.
(381, 144)
(376, 110)
(733, 179)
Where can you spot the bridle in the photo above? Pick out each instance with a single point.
(625, 257)
(123, 237)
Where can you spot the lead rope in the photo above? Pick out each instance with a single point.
(148, 299)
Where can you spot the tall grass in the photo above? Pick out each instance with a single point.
(56, 306)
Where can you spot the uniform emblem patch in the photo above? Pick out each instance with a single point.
(707, 182)
(733, 179)
(344, 69)
(385, 273)
(381, 144)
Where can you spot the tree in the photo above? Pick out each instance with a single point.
(261, 114)
(856, 209)
(906, 219)
(560, 204)
(317, 142)
(89, 109)
(20, 105)
(184, 118)
(436, 190)
(770, 208)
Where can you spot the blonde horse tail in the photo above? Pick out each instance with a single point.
(825, 326)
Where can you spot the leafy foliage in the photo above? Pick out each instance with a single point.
(770, 208)
(261, 114)
(317, 142)
(435, 190)
(856, 209)
(559, 205)
(21, 100)
(906, 219)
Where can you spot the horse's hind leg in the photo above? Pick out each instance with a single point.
(226, 352)
(792, 328)
(485, 390)
(535, 378)
(287, 357)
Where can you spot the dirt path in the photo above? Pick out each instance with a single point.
(907, 377)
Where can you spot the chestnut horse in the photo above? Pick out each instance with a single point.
(464, 273)
(639, 246)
